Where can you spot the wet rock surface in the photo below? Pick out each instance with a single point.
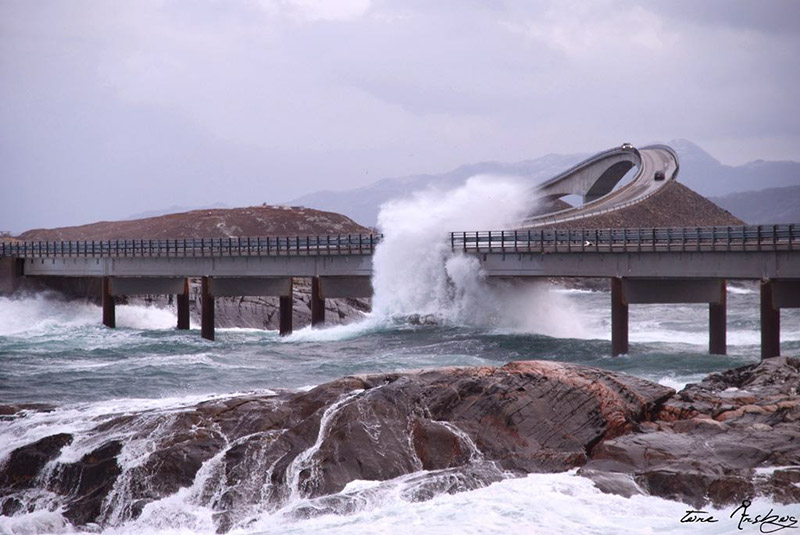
(733, 436)
(443, 430)
(420, 434)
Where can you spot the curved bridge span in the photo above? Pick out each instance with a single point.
(595, 178)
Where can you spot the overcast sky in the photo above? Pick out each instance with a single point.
(109, 108)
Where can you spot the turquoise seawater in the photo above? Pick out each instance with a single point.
(56, 352)
(53, 351)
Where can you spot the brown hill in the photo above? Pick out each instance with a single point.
(674, 205)
(217, 223)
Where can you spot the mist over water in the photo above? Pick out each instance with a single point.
(418, 278)
(410, 265)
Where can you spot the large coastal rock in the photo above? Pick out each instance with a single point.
(256, 312)
(734, 436)
(264, 220)
(448, 429)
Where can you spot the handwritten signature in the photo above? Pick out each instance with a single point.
(767, 523)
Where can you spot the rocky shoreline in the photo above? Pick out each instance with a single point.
(734, 436)
(731, 437)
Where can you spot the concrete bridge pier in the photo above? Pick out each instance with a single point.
(336, 287)
(625, 291)
(775, 294)
(182, 301)
(213, 287)
(11, 273)
(286, 305)
(113, 287)
(718, 324)
(109, 305)
(317, 302)
(207, 309)
(619, 318)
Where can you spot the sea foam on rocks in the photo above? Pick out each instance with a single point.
(446, 430)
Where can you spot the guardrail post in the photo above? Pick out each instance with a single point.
(758, 236)
(207, 304)
(770, 322)
(619, 319)
(109, 313)
(182, 300)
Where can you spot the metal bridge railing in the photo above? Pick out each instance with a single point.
(692, 239)
(344, 244)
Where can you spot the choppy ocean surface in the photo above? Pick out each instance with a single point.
(56, 352)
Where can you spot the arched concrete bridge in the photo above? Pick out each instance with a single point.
(595, 178)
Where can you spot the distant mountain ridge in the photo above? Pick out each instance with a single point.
(362, 204)
(767, 206)
(706, 175)
(699, 171)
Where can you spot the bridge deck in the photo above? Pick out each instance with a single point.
(753, 252)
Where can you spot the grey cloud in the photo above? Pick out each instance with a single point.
(112, 108)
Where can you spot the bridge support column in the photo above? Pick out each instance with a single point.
(619, 318)
(207, 319)
(109, 312)
(317, 302)
(11, 273)
(770, 322)
(182, 300)
(718, 323)
(286, 305)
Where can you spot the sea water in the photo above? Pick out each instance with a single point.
(55, 352)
